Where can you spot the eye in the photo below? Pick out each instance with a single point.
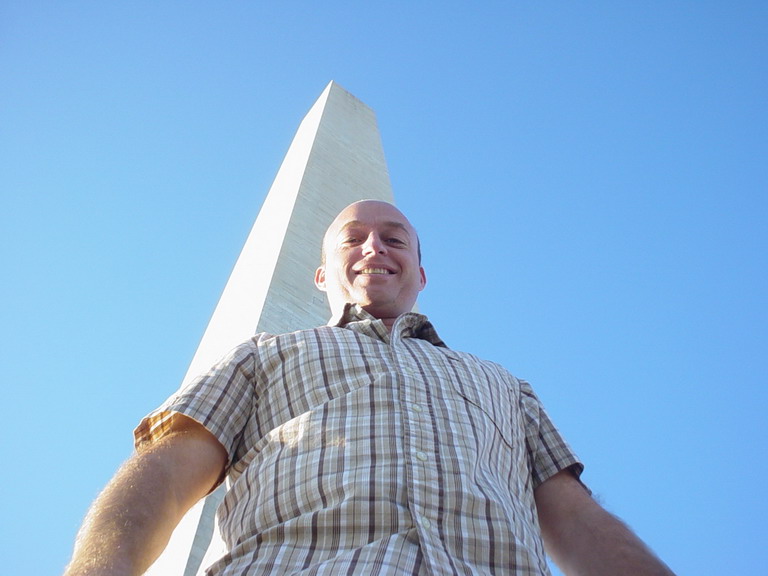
(395, 241)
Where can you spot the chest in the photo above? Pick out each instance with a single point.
(350, 373)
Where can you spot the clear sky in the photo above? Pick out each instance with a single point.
(589, 180)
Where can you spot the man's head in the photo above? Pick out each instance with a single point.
(371, 257)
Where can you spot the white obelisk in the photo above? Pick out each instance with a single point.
(335, 159)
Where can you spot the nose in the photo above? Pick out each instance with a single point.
(374, 245)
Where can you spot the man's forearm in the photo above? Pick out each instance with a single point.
(130, 523)
(602, 544)
(585, 539)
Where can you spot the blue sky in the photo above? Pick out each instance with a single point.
(589, 183)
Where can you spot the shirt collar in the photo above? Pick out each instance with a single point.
(408, 325)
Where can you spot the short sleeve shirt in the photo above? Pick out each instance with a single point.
(355, 450)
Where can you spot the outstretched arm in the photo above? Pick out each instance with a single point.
(584, 539)
(131, 521)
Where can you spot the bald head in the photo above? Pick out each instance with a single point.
(340, 217)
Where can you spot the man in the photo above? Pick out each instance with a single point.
(362, 447)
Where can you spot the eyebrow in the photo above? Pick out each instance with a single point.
(389, 224)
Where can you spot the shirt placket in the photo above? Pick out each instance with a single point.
(421, 455)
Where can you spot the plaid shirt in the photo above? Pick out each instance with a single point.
(353, 450)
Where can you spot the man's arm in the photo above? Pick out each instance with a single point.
(584, 539)
(131, 521)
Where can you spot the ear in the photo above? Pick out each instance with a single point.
(320, 278)
(423, 278)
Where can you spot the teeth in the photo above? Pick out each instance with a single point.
(374, 271)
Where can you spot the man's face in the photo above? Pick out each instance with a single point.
(371, 259)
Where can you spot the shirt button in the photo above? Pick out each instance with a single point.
(425, 523)
(417, 408)
(422, 456)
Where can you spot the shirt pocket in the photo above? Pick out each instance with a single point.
(483, 386)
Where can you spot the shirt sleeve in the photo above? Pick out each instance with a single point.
(548, 452)
(221, 400)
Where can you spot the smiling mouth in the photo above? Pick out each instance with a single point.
(374, 271)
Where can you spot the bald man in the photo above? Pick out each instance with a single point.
(365, 446)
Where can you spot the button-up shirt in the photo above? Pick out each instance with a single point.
(356, 450)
